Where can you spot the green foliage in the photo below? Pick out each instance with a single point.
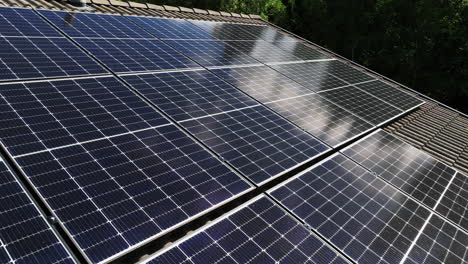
(420, 43)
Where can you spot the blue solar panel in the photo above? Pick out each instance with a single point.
(189, 94)
(86, 25)
(257, 232)
(114, 193)
(371, 221)
(403, 165)
(263, 51)
(136, 55)
(40, 115)
(24, 22)
(165, 28)
(212, 52)
(25, 235)
(27, 58)
(256, 141)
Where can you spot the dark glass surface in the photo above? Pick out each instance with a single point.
(454, 204)
(224, 31)
(24, 22)
(371, 221)
(260, 232)
(301, 50)
(262, 83)
(346, 72)
(40, 115)
(263, 51)
(189, 94)
(408, 168)
(362, 104)
(328, 122)
(256, 141)
(114, 193)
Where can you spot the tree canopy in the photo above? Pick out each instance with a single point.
(421, 43)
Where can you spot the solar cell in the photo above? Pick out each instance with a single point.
(347, 73)
(392, 95)
(313, 75)
(170, 28)
(49, 114)
(28, 58)
(262, 83)
(328, 122)
(25, 235)
(212, 52)
(136, 55)
(364, 105)
(224, 31)
(454, 203)
(266, 33)
(263, 51)
(256, 141)
(87, 25)
(189, 94)
(24, 22)
(301, 50)
(401, 164)
(439, 243)
(257, 232)
(116, 193)
(371, 221)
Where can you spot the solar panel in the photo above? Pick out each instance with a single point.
(392, 95)
(136, 55)
(49, 114)
(440, 242)
(24, 22)
(301, 50)
(28, 58)
(407, 168)
(313, 75)
(326, 121)
(266, 33)
(189, 94)
(256, 141)
(212, 52)
(87, 25)
(364, 105)
(454, 203)
(263, 51)
(224, 31)
(170, 28)
(371, 221)
(257, 232)
(262, 83)
(347, 73)
(115, 193)
(25, 235)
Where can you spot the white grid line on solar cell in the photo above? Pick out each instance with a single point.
(136, 55)
(454, 203)
(38, 242)
(165, 28)
(77, 24)
(440, 242)
(390, 94)
(262, 83)
(259, 143)
(362, 104)
(280, 239)
(44, 115)
(24, 22)
(368, 219)
(323, 119)
(189, 95)
(138, 187)
(212, 52)
(263, 51)
(406, 167)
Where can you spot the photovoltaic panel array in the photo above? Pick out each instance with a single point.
(25, 235)
(33, 49)
(256, 141)
(401, 164)
(189, 94)
(113, 194)
(370, 220)
(257, 232)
